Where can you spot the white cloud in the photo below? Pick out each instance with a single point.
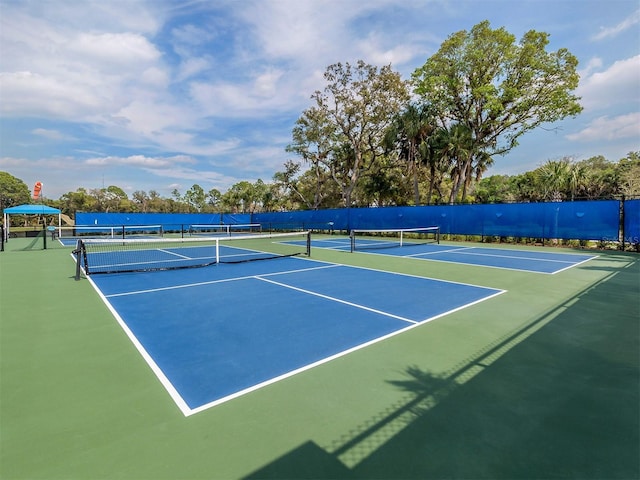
(593, 64)
(262, 95)
(147, 116)
(610, 128)
(109, 51)
(193, 66)
(8, 162)
(201, 177)
(374, 49)
(191, 35)
(141, 161)
(627, 23)
(28, 93)
(51, 134)
(77, 61)
(293, 29)
(265, 84)
(619, 84)
(310, 32)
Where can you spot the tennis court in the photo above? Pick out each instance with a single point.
(302, 313)
(337, 365)
(522, 260)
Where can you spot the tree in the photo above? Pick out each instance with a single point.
(384, 186)
(553, 178)
(314, 138)
(141, 200)
(455, 147)
(195, 197)
(13, 191)
(630, 185)
(629, 174)
(351, 117)
(245, 197)
(288, 181)
(214, 197)
(78, 201)
(177, 203)
(493, 189)
(408, 135)
(311, 190)
(157, 203)
(109, 199)
(498, 89)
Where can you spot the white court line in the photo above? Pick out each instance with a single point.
(462, 250)
(210, 282)
(188, 411)
(173, 253)
(537, 259)
(166, 383)
(299, 370)
(343, 353)
(574, 265)
(459, 249)
(339, 241)
(327, 297)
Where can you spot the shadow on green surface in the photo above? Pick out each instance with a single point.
(562, 404)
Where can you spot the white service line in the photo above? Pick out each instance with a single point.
(362, 307)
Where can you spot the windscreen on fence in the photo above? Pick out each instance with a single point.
(327, 220)
(169, 221)
(632, 221)
(583, 220)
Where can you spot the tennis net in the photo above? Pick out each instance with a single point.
(97, 256)
(224, 229)
(107, 231)
(393, 237)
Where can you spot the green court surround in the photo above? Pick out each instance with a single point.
(540, 382)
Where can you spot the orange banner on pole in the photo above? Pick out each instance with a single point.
(37, 190)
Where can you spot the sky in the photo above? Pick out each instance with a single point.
(164, 94)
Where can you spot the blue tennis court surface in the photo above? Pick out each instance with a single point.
(211, 334)
(524, 260)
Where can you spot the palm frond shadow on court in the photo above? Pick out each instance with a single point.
(556, 398)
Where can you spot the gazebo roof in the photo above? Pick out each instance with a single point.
(31, 210)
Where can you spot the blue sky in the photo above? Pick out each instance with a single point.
(164, 94)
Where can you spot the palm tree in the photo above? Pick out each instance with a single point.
(482, 161)
(552, 177)
(578, 176)
(407, 135)
(454, 148)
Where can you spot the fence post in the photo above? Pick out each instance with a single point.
(621, 228)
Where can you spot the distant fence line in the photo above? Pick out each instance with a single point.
(604, 220)
(169, 221)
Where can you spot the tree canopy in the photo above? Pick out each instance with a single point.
(344, 131)
(473, 99)
(13, 191)
(489, 91)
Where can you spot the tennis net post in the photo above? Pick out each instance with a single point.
(224, 229)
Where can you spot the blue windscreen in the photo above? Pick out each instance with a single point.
(583, 220)
(595, 220)
(167, 220)
(632, 221)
